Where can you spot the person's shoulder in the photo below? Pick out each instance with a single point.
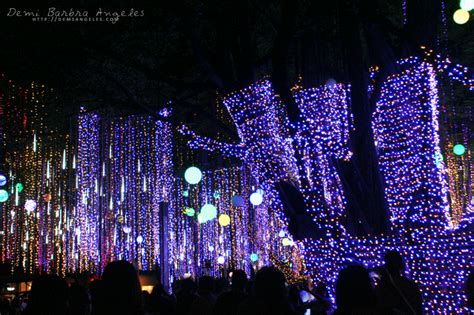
(249, 303)
(410, 287)
(410, 283)
(224, 295)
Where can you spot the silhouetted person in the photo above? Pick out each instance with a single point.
(4, 306)
(119, 290)
(79, 300)
(94, 291)
(470, 289)
(185, 296)
(204, 302)
(295, 299)
(270, 295)
(48, 296)
(222, 285)
(321, 304)
(397, 294)
(354, 292)
(160, 302)
(228, 302)
(146, 301)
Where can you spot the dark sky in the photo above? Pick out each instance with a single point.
(147, 61)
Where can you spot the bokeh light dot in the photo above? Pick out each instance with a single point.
(459, 149)
(224, 220)
(193, 175)
(3, 195)
(461, 16)
(3, 180)
(466, 5)
(256, 199)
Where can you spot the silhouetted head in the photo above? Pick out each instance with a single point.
(393, 262)
(206, 285)
(121, 291)
(321, 289)
(158, 290)
(222, 285)
(79, 300)
(270, 285)
(239, 280)
(48, 295)
(354, 289)
(187, 286)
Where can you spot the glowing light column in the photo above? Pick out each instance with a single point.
(88, 173)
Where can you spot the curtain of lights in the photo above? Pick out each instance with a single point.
(87, 215)
(457, 131)
(35, 217)
(264, 147)
(124, 171)
(215, 246)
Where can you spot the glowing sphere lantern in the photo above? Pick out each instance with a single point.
(3, 180)
(256, 199)
(220, 260)
(193, 175)
(201, 218)
(466, 5)
(237, 201)
(254, 257)
(461, 16)
(459, 149)
(126, 229)
(208, 211)
(139, 239)
(47, 197)
(190, 212)
(286, 242)
(224, 220)
(30, 205)
(19, 187)
(3, 195)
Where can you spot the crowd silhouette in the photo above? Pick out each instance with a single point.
(357, 291)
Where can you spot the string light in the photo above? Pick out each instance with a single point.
(122, 170)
